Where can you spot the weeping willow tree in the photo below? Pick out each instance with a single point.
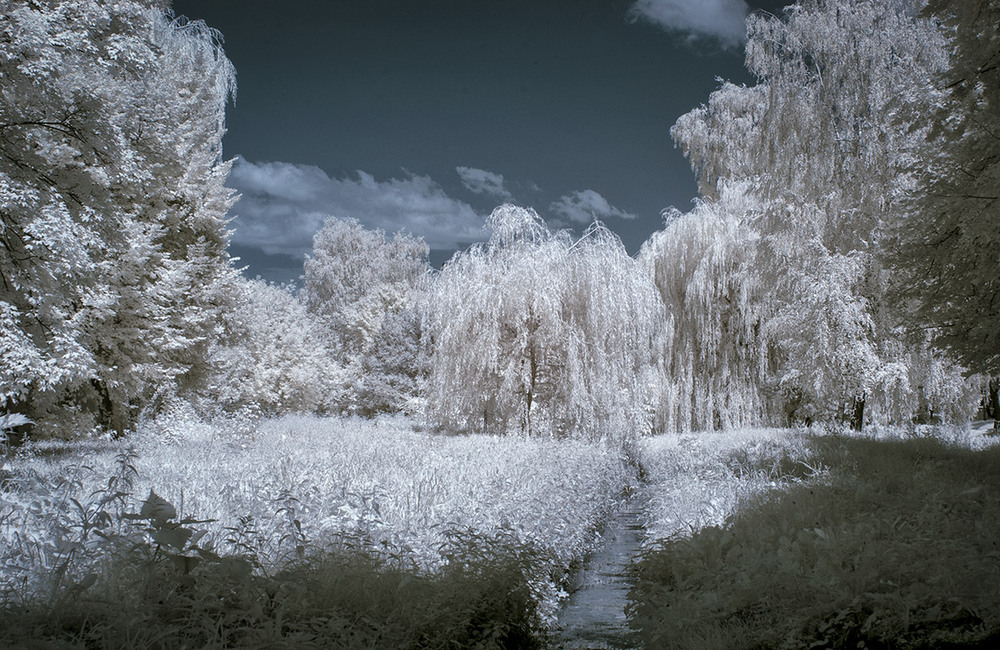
(715, 358)
(802, 176)
(538, 334)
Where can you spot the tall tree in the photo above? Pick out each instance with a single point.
(370, 292)
(112, 202)
(949, 257)
(274, 357)
(535, 333)
(824, 143)
(716, 358)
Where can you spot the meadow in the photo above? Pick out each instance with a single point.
(824, 540)
(344, 532)
(104, 534)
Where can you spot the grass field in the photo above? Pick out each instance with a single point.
(827, 541)
(399, 510)
(305, 532)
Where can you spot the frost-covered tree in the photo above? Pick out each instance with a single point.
(824, 144)
(274, 357)
(535, 333)
(716, 357)
(112, 246)
(370, 292)
(949, 259)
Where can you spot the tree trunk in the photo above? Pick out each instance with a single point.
(858, 413)
(533, 381)
(993, 401)
(109, 416)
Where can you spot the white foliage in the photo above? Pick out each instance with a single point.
(538, 334)
(275, 357)
(715, 356)
(112, 204)
(820, 148)
(370, 293)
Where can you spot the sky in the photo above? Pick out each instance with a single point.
(424, 115)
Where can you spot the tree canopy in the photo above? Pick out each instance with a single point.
(113, 262)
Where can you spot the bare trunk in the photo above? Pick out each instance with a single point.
(858, 413)
(533, 380)
(994, 401)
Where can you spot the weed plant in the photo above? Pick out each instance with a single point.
(894, 544)
(175, 594)
(698, 480)
(306, 533)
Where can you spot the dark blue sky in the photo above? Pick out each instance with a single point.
(405, 114)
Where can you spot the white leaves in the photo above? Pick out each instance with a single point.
(509, 223)
(538, 334)
(112, 198)
(713, 356)
(157, 509)
(810, 163)
(275, 356)
(369, 291)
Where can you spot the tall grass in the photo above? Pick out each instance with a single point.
(699, 480)
(472, 535)
(893, 545)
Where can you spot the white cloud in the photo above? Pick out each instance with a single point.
(586, 206)
(480, 181)
(284, 204)
(724, 20)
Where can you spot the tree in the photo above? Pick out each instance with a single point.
(274, 357)
(113, 268)
(824, 144)
(949, 254)
(716, 357)
(370, 293)
(535, 333)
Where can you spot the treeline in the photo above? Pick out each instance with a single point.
(841, 265)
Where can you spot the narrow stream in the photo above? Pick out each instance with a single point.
(594, 616)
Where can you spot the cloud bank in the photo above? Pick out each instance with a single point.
(480, 181)
(586, 206)
(723, 20)
(284, 204)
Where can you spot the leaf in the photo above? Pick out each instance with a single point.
(170, 536)
(88, 581)
(157, 509)
(236, 568)
(185, 563)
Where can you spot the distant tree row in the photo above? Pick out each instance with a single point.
(841, 265)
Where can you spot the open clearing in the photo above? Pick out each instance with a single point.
(435, 514)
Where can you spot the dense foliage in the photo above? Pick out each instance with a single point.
(114, 269)
(876, 550)
(217, 533)
(840, 267)
(950, 250)
(369, 292)
(539, 334)
(812, 166)
(779, 299)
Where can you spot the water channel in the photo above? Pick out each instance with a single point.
(594, 616)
